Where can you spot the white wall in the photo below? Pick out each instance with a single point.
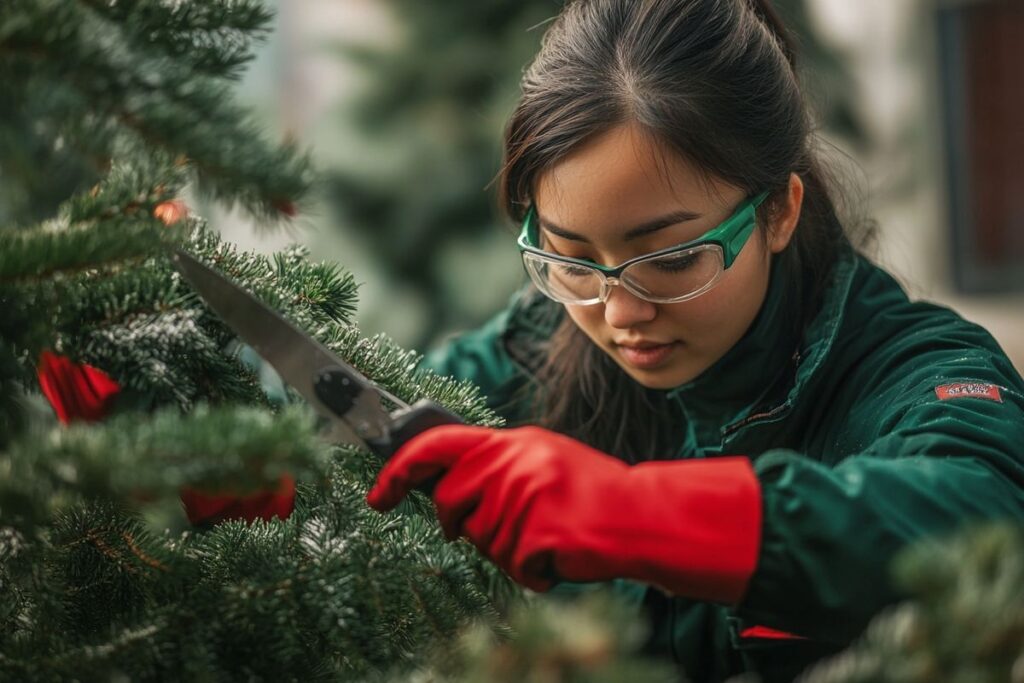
(891, 46)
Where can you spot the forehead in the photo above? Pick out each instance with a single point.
(621, 178)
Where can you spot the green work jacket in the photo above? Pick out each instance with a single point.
(888, 421)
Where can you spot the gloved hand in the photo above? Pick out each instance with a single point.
(545, 507)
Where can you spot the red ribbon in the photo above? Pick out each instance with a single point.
(75, 390)
(206, 508)
(78, 391)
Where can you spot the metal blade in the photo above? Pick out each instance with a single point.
(298, 358)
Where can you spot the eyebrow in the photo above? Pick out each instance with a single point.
(633, 233)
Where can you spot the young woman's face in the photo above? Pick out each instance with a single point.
(621, 180)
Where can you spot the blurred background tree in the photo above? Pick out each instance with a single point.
(434, 111)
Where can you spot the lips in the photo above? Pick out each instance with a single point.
(641, 344)
(647, 355)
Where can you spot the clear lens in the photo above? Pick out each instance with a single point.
(563, 282)
(676, 276)
(663, 279)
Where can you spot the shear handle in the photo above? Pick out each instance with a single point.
(418, 418)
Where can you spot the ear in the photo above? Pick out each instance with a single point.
(784, 222)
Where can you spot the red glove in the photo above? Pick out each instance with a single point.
(545, 507)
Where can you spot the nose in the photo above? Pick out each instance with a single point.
(622, 309)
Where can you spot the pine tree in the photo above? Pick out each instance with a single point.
(109, 110)
(433, 111)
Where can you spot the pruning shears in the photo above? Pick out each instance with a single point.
(350, 403)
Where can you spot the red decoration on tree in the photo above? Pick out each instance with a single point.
(81, 392)
(171, 211)
(75, 390)
(286, 206)
(205, 508)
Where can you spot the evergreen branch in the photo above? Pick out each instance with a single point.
(117, 558)
(110, 223)
(140, 553)
(214, 37)
(333, 540)
(142, 324)
(594, 640)
(311, 294)
(324, 287)
(86, 75)
(86, 591)
(170, 357)
(12, 418)
(129, 190)
(128, 459)
(238, 167)
(390, 366)
(98, 234)
(58, 247)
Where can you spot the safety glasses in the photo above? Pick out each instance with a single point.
(669, 275)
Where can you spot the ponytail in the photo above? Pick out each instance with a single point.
(769, 16)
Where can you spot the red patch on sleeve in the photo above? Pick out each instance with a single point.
(969, 390)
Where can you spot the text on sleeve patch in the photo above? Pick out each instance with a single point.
(969, 390)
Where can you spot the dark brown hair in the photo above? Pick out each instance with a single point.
(715, 82)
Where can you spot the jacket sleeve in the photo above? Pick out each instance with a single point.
(930, 462)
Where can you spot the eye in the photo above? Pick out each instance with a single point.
(568, 269)
(574, 271)
(675, 264)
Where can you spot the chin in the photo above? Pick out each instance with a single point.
(661, 378)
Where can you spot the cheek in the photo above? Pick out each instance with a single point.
(590, 319)
(724, 313)
(704, 323)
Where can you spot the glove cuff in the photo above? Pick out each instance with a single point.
(699, 534)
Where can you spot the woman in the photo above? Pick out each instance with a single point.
(742, 419)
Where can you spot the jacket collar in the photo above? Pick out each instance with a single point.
(821, 334)
(770, 368)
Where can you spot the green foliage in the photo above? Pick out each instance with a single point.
(126, 459)
(964, 625)
(90, 589)
(434, 114)
(111, 222)
(86, 82)
(11, 418)
(595, 639)
(335, 592)
(108, 110)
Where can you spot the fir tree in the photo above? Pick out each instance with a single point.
(100, 576)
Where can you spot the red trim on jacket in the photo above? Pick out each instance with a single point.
(769, 634)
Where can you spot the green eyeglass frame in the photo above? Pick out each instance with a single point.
(729, 236)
